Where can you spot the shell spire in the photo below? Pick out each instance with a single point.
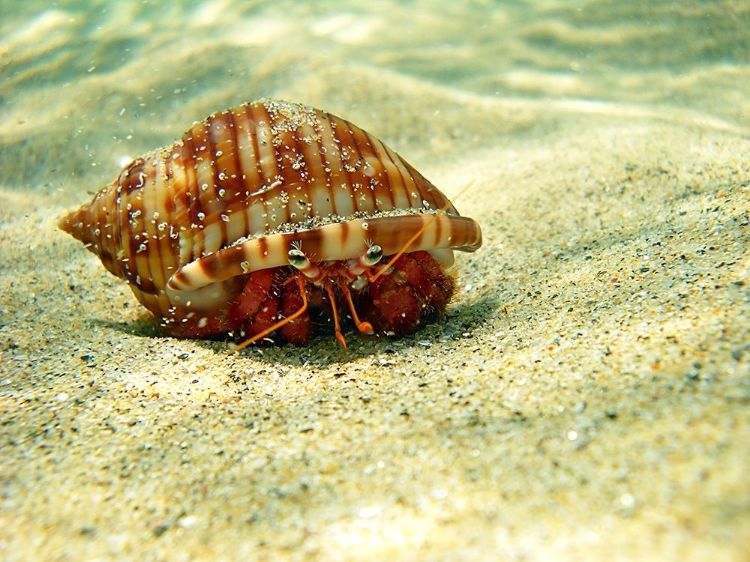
(75, 224)
(93, 225)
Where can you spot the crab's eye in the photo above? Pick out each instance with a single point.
(298, 259)
(373, 255)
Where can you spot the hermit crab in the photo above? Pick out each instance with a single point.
(271, 217)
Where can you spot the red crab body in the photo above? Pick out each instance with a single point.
(412, 290)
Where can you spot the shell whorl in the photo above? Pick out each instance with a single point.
(241, 186)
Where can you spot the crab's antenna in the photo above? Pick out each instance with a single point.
(405, 247)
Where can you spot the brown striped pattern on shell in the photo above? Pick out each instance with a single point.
(183, 224)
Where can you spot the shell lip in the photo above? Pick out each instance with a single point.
(336, 241)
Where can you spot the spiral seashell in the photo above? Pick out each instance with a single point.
(186, 225)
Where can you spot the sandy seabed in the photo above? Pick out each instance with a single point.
(585, 397)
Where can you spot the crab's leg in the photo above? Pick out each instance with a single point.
(280, 323)
(364, 327)
(336, 325)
